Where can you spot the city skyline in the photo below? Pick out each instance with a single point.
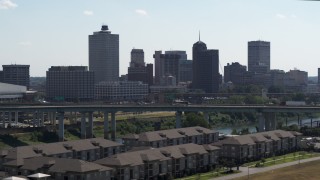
(44, 34)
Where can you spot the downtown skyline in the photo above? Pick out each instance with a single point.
(45, 34)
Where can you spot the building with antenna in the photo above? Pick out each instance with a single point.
(205, 68)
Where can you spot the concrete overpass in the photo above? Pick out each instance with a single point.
(266, 114)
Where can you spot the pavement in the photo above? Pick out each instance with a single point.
(254, 170)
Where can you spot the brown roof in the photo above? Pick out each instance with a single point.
(50, 149)
(135, 158)
(131, 136)
(21, 153)
(61, 165)
(256, 138)
(171, 134)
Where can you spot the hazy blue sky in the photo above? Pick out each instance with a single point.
(43, 33)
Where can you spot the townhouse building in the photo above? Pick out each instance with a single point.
(86, 149)
(162, 163)
(59, 168)
(255, 146)
(170, 137)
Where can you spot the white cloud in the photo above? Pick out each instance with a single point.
(88, 13)
(7, 4)
(141, 12)
(281, 16)
(25, 43)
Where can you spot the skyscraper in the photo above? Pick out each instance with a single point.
(259, 57)
(205, 68)
(104, 55)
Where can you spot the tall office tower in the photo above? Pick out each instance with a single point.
(168, 64)
(205, 68)
(104, 55)
(234, 73)
(137, 58)
(259, 57)
(16, 74)
(70, 83)
(138, 71)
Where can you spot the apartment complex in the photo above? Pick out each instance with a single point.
(258, 145)
(163, 163)
(171, 137)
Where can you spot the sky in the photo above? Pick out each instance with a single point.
(55, 32)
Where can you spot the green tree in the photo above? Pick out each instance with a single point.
(194, 119)
(234, 132)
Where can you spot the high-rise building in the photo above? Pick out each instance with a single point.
(295, 80)
(104, 55)
(138, 71)
(234, 73)
(16, 74)
(185, 70)
(168, 64)
(205, 68)
(70, 83)
(259, 57)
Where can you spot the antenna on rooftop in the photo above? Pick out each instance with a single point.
(199, 35)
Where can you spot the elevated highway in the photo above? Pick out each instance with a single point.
(266, 114)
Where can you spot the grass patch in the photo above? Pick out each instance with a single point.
(282, 159)
(309, 170)
(209, 175)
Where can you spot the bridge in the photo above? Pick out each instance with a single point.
(266, 114)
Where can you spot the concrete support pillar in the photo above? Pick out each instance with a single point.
(270, 121)
(10, 118)
(39, 119)
(261, 122)
(83, 125)
(90, 130)
(54, 118)
(113, 126)
(16, 116)
(34, 118)
(206, 116)
(106, 125)
(311, 122)
(178, 119)
(75, 117)
(2, 115)
(273, 121)
(42, 119)
(61, 126)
